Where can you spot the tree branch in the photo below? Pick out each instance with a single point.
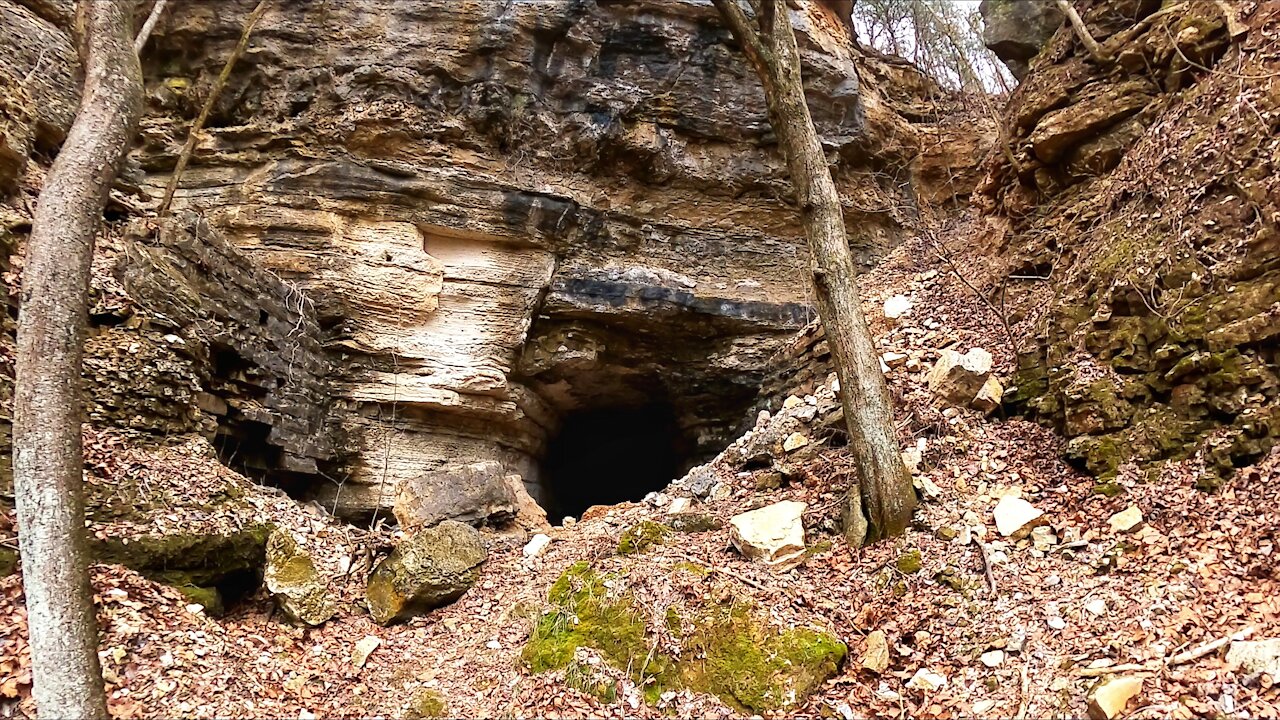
(757, 54)
(190, 145)
(156, 11)
(1095, 50)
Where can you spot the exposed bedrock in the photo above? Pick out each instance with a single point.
(496, 217)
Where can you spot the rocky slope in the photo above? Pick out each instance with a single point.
(469, 221)
(1142, 237)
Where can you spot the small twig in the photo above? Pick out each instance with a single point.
(156, 11)
(738, 577)
(1099, 672)
(1023, 696)
(1208, 648)
(986, 566)
(185, 156)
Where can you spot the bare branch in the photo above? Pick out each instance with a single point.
(190, 145)
(156, 11)
(1095, 50)
(746, 36)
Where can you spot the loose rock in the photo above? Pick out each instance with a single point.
(290, 576)
(363, 648)
(1015, 516)
(959, 378)
(897, 307)
(1126, 520)
(1109, 699)
(428, 569)
(1255, 656)
(773, 534)
(876, 655)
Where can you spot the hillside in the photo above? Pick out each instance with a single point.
(477, 328)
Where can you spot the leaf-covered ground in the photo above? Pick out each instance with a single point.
(1202, 566)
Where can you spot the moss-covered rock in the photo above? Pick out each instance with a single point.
(642, 536)
(749, 663)
(291, 577)
(909, 562)
(8, 561)
(725, 650)
(430, 568)
(426, 703)
(208, 598)
(694, 522)
(190, 559)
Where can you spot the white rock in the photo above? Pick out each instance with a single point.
(493, 645)
(678, 505)
(794, 441)
(893, 359)
(912, 457)
(774, 534)
(791, 402)
(1126, 520)
(1015, 514)
(927, 680)
(1109, 699)
(959, 378)
(1097, 607)
(897, 306)
(536, 545)
(982, 707)
(1043, 539)
(1057, 623)
(927, 486)
(363, 648)
(993, 658)
(1256, 656)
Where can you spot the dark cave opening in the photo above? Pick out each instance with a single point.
(604, 456)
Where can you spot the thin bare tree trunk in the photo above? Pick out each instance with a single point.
(47, 459)
(156, 11)
(1082, 32)
(887, 496)
(194, 134)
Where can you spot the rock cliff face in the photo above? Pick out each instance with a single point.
(469, 220)
(1141, 224)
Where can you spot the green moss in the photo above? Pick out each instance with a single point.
(8, 561)
(748, 663)
(208, 597)
(188, 559)
(584, 615)
(692, 568)
(909, 562)
(642, 536)
(426, 703)
(725, 650)
(1108, 488)
(818, 548)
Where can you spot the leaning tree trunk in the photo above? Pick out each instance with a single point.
(47, 459)
(887, 496)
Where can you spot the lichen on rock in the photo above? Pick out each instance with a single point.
(291, 577)
(430, 568)
(725, 650)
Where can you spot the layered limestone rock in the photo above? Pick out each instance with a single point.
(1142, 190)
(502, 213)
(1015, 30)
(410, 243)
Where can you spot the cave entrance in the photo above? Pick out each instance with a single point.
(605, 456)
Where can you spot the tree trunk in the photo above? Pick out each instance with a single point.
(47, 459)
(1082, 32)
(887, 496)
